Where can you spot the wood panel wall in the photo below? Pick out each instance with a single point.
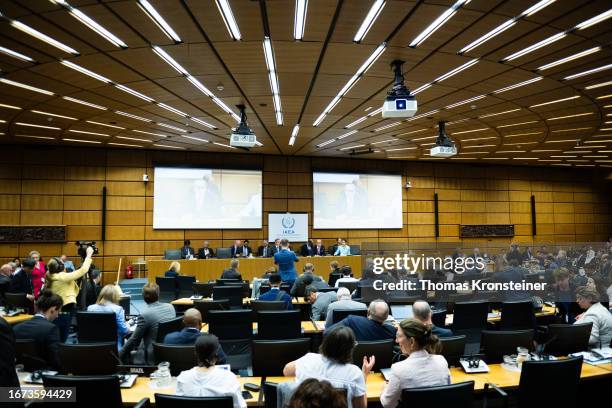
(63, 185)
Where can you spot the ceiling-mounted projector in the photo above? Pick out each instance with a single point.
(399, 103)
(243, 135)
(444, 145)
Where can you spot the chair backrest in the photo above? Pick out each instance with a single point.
(229, 281)
(452, 349)
(263, 288)
(231, 324)
(438, 318)
(205, 306)
(381, 349)
(271, 356)
(172, 254)
(495, 344)
(17, 300)
(172, 401)
(88, 359)
(561, 376)
(279, 324)
(517, 316)
(324, 290)
(203, 289)
(355, 249)
(339, 314)
(351, 286)
(460, 395)
(165, 327)
(181, 357)
(568, 338)
(28, 354)
(184, 284)
(96, 327)
(233, 293)
(224, 253)
(167, 288)
(269, 390)
(470, 315)
(124, 302)
(262, 305)
(91, 391)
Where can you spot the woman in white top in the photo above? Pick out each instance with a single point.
(420, 369)
(335, 364)
(206, 380)
(108, 301)
(596, 313)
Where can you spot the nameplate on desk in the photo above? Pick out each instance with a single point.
(141, 370)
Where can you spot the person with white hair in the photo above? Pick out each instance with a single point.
(344, 302)
(422, 312)
(370, 328)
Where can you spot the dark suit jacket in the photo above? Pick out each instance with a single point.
(184, 252)
(319, 251)
(46, 335)
(8, 375)
(299, 285)
(188, 336)
(306, 251)
(240, 251)
(231, 274)
(202, 255)
(269, 251)
(366, 329)
(21, 283)
(5, 285)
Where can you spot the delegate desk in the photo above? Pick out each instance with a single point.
(207, 269)
(245, 301)
(308, 327)
(17, 319)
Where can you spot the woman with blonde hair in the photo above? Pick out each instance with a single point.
(108, 301)
(173, 271)
(422, 368)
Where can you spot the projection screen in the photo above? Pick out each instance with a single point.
(353, 201)
(190, 198)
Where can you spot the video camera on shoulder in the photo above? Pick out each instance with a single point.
(83, 248)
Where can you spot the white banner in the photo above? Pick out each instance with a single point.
(292, 226)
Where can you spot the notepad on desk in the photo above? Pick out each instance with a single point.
(596, 356)
(482, 367)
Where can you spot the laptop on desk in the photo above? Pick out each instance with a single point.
(401, 312)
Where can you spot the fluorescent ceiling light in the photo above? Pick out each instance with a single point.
(517, 124)
(37, 137)
(519, 143)
(369, 20)
(53, 114)
(600, 85)
(129, 115)
(604, 96)
(454, 105)
(226, 108)
(81, 141)
(535, 46)
(562, 141)
(397, 149)
(24, 86)
(3, 105)
(16, 54)
(362, 70)
(598, 141)
(123, 144)
(223, 145)
(148, 133)
(37, 126)
(570, 130)
(411, 132)
(299, 24)
(274, 86)
(295, 130)
(200, 86)
(134, 138)
(478, 146)
(571, 116)
(86, 20)
(454, 122)
(509, 151)
(203, 122)
(469, 131)
(159, 20)
(168, 146)
(384, 141)
(171, 109)
(421, 89)
(518, 85)
(488, 115)
(555, 101)
(85, 71)
(228, 18)
(438, 22)
(570, 58)
(456, 70)
(423, 138)
(478, 138)
(390, 125)
(588, 72)
(178, 129)
(592, 21)
(345, 135)
(104, 124)
(326, 143)
(43, 37)
(196, 138)
(133, 92)
(352, 147)
(545, 150)
(523, 134)
(81, 102)
(87, 133)
(356, 122)
(423, 115)
(169, 60)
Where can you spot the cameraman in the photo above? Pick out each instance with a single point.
(64, 285)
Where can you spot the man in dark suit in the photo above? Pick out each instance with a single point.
(41, 329)
(319, 249)
(146, 325)
(8, 375)
(21, 281)
(307, 249)
(5, 281)
(286, 259)
(275, 294)
(205, 252)
(334, 247)
(373, 327)
(307, 278)
(186, 250)
(236, 249)
(277, 247)
(245, 249)
(232, 271)
(264, 250)
(192, 320)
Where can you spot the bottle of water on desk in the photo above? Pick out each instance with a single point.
(162, 378)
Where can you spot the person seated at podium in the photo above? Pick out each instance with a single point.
(307, 249)
(174, 270)
(343, 249)
(245, 249)
(277, 247)
(333, 248)
(319, 249)
(187, 251)
(264, 249)
(232, 271)
(205, 252)
(275, 294)
(205, 380)
(422, 368)
(237, 250)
